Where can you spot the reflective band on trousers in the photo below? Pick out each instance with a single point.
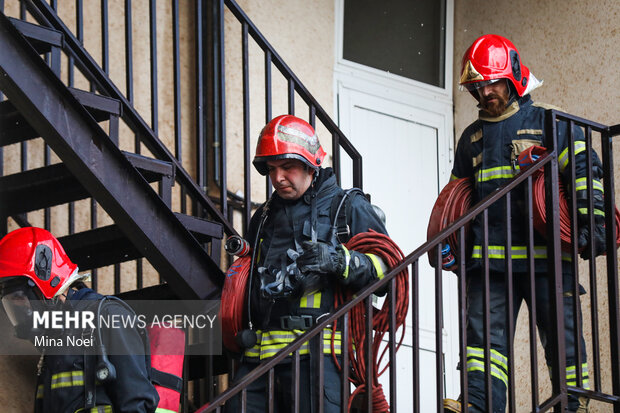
(580, 146)
(518, 252)
(571, 376)
(499, 363)
(270, 342)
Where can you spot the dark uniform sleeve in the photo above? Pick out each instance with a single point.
(462, 159)
(581, 167)
(132, 391)
(362, 269)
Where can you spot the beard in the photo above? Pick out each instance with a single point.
(496, 107)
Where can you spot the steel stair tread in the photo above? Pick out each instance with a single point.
(15, 127)
(54, 185)
(108, 245)
(41, 38)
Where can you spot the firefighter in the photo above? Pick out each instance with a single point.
(509, 122)
(37, 275)
(300, 262)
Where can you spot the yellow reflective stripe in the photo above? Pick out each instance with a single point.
(584, 211)
(496, 357)
(347, 259)
(580, 146)
(377, 263)
(582, 184)
(477, 365)
(104, 409)
(453, 177)
(498, 172)
(518, 252)
(529, 132)
(67, 379)
(571, 376)
(270, 342)
(311, 300)
(162, 410)
(40, 391)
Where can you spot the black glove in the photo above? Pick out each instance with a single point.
(586, 235)
(322, 258)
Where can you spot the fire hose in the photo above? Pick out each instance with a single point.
(452, 203)
(382, 246)
(233, 309)
(455, 199)
(540, 213)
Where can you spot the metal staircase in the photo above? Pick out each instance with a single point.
(39, 105)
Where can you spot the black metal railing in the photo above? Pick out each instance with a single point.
(606, 388)
(201, 109)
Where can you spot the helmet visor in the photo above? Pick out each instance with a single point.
(18, 307)
(477, 85)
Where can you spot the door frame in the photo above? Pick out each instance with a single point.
(438, 102)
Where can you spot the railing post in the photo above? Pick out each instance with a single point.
(558, 363)
(612, 258)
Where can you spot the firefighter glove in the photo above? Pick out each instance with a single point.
(587, 235)
(322, 258)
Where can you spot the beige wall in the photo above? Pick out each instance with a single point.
(573, 46)
(301, 32)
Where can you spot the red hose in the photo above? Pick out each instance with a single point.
(382, 246)
(232, 309)
(452, 203)
(540, 213)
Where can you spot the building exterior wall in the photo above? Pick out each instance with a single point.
(572, 46)
(301, 32)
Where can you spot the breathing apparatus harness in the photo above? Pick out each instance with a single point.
(239, 275)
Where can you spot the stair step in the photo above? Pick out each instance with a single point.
(16, 129)
(54, 185)
(41, 38)
(99, 247)
(202, 229)
(108, 245)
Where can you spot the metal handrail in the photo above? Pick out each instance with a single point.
(434, 245)
(46, 16)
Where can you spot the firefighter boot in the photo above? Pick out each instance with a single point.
(450, 405)
(583, 405)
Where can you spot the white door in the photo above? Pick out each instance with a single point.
(406, 156)
(403, 129)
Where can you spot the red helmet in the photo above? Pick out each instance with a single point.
(490, 58)
(288, 137)
(36, 254)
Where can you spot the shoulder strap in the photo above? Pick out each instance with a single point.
(340, 213)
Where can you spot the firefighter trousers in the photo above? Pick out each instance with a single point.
(258, 395)
(499, 332)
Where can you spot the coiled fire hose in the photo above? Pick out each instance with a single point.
(382, 246)
(233, 309)
(455, 199)
(539, 211)
(452, 203)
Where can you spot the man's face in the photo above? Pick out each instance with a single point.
(290, 177)
(494, 97)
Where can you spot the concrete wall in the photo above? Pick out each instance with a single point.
(573, 46)
(302, 33)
